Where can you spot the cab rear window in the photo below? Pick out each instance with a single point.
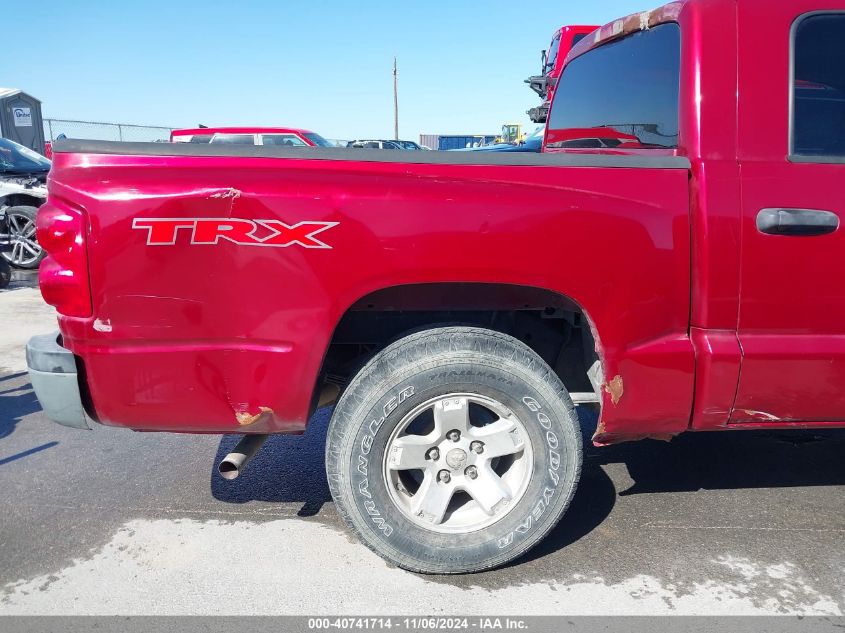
(621, 94)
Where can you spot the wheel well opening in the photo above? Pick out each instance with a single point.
(551, 324)
(20, 200)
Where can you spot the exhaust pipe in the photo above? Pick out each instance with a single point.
(234, 463)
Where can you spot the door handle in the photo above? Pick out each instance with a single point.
(799, 222)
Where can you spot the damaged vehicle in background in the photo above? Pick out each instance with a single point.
(23, 177)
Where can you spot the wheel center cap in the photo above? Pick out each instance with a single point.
(456, 458)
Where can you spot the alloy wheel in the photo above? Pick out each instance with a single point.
(25, 248)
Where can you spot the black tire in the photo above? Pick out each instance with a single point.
(21, 216)
(5, 273)
(426, 365)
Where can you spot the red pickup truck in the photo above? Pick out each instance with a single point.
(459, 305)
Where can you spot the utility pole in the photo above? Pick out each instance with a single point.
(395, 101)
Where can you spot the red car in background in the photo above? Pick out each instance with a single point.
(552, 64)
(275, 136)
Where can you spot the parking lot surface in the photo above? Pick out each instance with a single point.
(115, 522)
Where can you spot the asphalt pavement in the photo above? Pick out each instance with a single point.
(114, 522)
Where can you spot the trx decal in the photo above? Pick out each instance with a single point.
(163, 231)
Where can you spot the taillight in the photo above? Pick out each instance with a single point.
(63, 275)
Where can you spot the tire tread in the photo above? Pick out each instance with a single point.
(417, 348)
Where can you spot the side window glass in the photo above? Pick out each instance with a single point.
(622, 94)
(282, 140)
(234, 139)
(818, 86)
(554, 48)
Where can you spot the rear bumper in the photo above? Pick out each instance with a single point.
(53, 373)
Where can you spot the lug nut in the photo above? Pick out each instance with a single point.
(471, 472)
(433, 454)
(444, 477)
(454, 435)
(477, 447)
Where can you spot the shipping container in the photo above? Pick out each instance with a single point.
(455, 141)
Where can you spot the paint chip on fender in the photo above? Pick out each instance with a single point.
(231, 192)
(615, 388)
(245, 418)
(102, 325)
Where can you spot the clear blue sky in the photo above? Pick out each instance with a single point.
(324, 65)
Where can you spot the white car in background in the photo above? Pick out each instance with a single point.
(23, 188)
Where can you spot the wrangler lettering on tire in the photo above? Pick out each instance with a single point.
(455, 449)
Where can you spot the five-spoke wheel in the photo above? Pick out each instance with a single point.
(25, 251)
(454, 449)
(458, 462)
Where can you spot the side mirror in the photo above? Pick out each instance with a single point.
(542, 61)
(61, 136)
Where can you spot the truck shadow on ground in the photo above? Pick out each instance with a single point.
(696, 461)
(287, 469)
(16, 402)
(731, 460)
(292, 469)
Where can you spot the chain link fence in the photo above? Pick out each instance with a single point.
(93, 130)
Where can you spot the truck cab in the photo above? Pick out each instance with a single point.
(551, 64)
(762, 121)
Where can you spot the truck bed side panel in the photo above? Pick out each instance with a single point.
(228, 337)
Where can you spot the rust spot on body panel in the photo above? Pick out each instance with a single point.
(641, 21)
(603, 438)
(615, 388)
(245, 418)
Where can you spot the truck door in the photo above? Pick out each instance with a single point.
(792, 160)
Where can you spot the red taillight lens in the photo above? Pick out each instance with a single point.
(63, 275)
